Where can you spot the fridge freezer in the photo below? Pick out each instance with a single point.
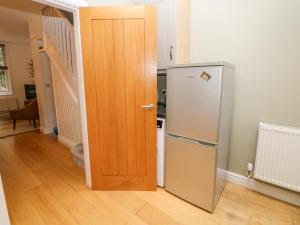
(199, 105)
(190, 170)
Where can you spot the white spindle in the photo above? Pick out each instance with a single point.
(68, 48)
(52, 29)
(48, 27)
(60, 48)
(44, 22)
(57, 38)
(61, 33)
(74, 71)
(64, 44)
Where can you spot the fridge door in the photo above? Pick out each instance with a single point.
(191, 171)
(193, 102)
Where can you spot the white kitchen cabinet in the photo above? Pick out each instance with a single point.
(166, 33)
(172, 31)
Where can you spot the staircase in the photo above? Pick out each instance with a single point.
(59, 45)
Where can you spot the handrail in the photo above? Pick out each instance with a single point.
(69, 82)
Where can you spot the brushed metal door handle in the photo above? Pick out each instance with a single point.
(171, 52)
(150, 106)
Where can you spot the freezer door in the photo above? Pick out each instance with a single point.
(193, 102)
(191, 171)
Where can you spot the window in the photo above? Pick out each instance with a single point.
(5, 88)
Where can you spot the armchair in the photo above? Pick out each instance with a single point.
(29, 112)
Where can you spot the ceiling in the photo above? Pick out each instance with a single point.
(22, 5)
(114, 2)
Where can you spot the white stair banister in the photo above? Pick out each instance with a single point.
(59, 45)
(61, 32)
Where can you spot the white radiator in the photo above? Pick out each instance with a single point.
(278, 156)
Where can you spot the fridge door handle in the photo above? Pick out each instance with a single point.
(171, 52)
(197, 142)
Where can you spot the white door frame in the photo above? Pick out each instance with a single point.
(73, 7)
(4, 218)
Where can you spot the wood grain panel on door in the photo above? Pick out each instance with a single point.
(119, 55)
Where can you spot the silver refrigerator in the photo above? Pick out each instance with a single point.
(199, 104)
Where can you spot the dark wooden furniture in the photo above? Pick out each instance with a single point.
(29, 112)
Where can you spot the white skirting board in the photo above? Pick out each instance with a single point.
(66, 142)
(261, 187)
(46, 131)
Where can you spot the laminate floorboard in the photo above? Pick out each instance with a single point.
(43, 186)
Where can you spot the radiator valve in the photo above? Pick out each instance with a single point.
(250, 170)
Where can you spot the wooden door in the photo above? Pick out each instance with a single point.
(119, 60)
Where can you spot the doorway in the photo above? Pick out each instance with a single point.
(54, 62)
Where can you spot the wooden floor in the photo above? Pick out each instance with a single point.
(42, 186)
(6, 126)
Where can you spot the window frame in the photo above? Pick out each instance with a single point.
(5, 68)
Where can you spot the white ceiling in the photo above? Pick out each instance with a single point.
(113, 2)
(14, 15)
(22, 5)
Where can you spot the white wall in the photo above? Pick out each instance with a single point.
(18, 55)
(262, 39)
(14, 33)
(13, 25)
(45, 93)
(43, 79)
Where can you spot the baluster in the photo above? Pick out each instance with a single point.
(48, 28)
(57, 37)
(61, 34)
(60, 37)
(65, 55)
(53, 27)
(51, 31)
(44, 23)
(73, 52)
(68, 46)
(49, 23)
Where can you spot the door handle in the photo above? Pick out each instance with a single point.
(150, 106)
(171, 52)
